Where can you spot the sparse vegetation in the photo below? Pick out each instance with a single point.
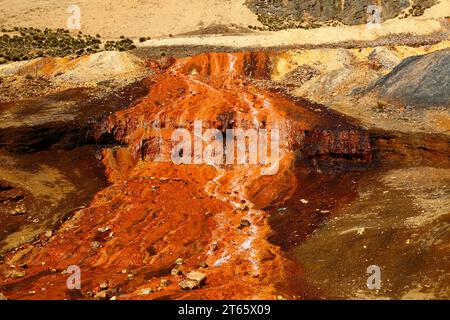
(121, 45)
(23, 43)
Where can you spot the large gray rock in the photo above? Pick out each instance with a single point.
(418, 81)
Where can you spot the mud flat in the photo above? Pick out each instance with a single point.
(398, 221)
(394, 214)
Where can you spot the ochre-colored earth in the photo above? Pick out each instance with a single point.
(213, 216)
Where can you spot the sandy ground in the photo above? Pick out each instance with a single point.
(159, 19)
(316, 37)
(131, 18)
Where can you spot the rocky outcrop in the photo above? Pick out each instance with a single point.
(347, 12)
(418, 81)
(50, 102)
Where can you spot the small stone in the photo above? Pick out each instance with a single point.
(2, 297)
(279, 297)
(15, 274)
(113, 298)
(19, 209)
(103, 229)
(304, 201)
(49, 233)
(203, 264)
(189, 285)
(104, 285)
(96, 245)
(164, 283)
(124, 271)
(103, 295)
(176, 271)
(130, 277)
(32, 292)
(208, 214)
(244, 224)
(145, 291)
(179, 261)
(198, 276)
(325, 211)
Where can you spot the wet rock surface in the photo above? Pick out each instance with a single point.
(160, 230)
(39, 191)
(399, 221)
(149, 195)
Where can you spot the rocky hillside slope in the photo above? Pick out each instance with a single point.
(277, 14)
(418, 81)
(157, 221)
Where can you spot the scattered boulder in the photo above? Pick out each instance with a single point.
(145, 291)
(14, 208)
(189, 285)
(244, 224)
(176, 270)
(103, 295)
(104, 285)
(18, 210)
(194, 280)
(14, 274)
(198, 276)
(164, 283)
(208, 214)
(300, 75)
(96, 245)
(103, 229)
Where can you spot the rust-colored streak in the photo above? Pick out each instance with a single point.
(155, 211)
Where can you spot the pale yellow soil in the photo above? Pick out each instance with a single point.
(131, 18)
(339, 71)
(160, 18)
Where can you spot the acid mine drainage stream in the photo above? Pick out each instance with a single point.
(155, 211)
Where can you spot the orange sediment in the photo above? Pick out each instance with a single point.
(155, 212)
